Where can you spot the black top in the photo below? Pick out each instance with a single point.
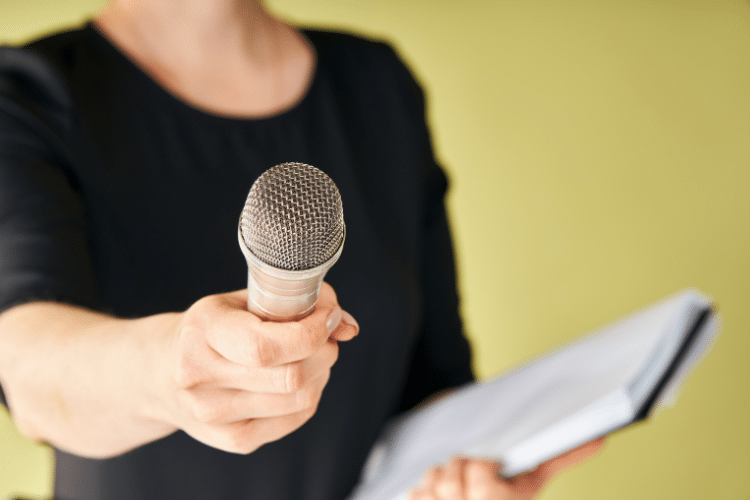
(116, 195)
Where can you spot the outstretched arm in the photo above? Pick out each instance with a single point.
(98, 386)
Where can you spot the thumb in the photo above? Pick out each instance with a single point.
(342, 325)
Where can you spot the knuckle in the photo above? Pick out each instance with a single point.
(241, 440)
(262, 353)
(199, 311)
(479, 492)
(448, 488)
(297, 330)
(279, 381)
(328, 290)
(310, 336)
(294, 379)
(209, 302)
(206, 412)
(480, 484)
(307, 398)
(203, 312)
(187, 375)
(308, 413)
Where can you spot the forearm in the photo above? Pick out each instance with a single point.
(80, 380)
(98, 386)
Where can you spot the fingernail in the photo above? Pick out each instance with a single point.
(349, 319)
(334, 319)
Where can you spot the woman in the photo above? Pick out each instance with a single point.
(127, 148)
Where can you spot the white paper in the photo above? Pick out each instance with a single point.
(571, 395)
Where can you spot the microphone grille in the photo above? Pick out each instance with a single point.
(293, 218)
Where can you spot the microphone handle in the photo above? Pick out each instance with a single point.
(282, 295)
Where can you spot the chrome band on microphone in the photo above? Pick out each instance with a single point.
(278, 294)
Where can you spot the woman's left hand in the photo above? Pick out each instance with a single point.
(469, 479)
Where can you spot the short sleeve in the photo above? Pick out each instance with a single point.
(43, 245)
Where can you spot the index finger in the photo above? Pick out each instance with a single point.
(297, 340)
(243, 338)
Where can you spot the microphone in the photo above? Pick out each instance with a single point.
(291, 232)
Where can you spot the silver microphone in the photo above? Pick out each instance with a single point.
(291, 232)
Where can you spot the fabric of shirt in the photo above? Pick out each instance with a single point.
(119, 196)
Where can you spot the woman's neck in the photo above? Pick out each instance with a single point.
(227, 56)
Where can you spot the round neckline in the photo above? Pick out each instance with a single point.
(206, 113)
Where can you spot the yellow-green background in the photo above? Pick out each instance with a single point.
(599, 152)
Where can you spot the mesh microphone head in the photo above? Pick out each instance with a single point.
(293, 218)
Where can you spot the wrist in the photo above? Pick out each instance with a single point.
(153, 343)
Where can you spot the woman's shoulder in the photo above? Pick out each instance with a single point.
(345, 40)
(353, 51)
(70, 50)
(366, 66)
(31, 78)
(60, 40)
(39, 69)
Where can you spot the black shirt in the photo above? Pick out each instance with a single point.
(118, 196)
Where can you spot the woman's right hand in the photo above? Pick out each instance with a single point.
(98, 386)
(236, 382)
